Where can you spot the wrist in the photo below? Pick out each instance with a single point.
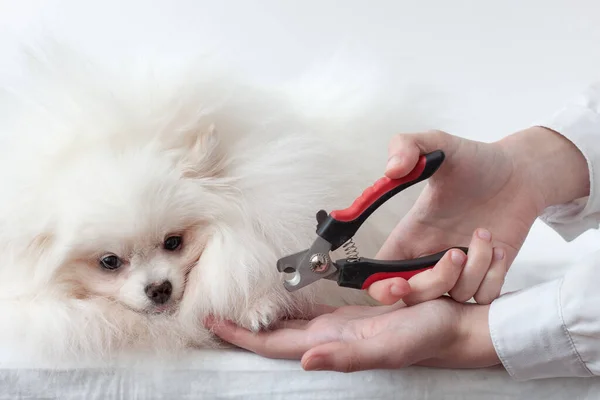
(469, 342)
(475, 338)
(549, 167)
(472, 346)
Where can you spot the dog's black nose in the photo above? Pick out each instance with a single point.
(159, 293)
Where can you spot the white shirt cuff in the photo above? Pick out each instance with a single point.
(530, 337)
(580, 123)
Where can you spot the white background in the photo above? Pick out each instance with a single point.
(502, 65)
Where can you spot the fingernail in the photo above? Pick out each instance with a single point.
(498, 254)
(396, 290)
(458, 258)
(484, 234)
(314, 364)
(393, 162)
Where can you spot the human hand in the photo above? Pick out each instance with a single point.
(482, 188)
(438, 333)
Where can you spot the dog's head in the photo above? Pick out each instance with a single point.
(130, 220)
(128, 185)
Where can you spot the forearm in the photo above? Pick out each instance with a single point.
(548, 166)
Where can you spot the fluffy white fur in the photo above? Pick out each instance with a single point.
(98, 160)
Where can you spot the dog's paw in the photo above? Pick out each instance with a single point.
(260, 316)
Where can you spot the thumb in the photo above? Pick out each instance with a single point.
(357, 355)
(404, 150)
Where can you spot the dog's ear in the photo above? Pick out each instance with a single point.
(42, 250)
(198, 153)
(204, 157)
(40, 244)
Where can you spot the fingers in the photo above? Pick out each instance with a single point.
(284, 343)
(484, 273)
(479, 276)
(357, 355)
(389, 291)
(405, 149)
(433, 283)
(492, 283)
(478, 264)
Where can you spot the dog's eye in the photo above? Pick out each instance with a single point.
(172, 243)
(110, 262)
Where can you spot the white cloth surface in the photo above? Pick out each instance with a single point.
(236, 374)
(553, 329)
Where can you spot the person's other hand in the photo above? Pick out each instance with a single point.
(439, 333)
(484, 193)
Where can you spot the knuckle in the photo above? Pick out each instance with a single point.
(483, 298)
(460, 296)
(487, 295)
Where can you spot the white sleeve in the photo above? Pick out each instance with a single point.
(579, 121)
(553, 329)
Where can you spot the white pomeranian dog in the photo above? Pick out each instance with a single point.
(137, 203)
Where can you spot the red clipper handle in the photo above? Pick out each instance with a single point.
(341, 225)
(380, 276)
(362, 273)
(376, 191)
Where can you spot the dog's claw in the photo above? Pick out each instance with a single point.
(261, 316)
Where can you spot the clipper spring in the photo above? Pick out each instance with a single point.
(351, 250)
